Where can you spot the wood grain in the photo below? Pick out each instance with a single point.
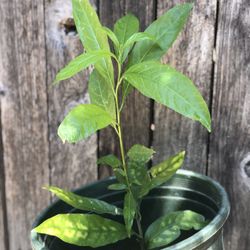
(71, 165)
(192, 55)
(229, 160)
(24, 115)
(3, 225)
(35, 44)
(136, 115)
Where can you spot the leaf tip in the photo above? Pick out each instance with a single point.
(183, 153)
(209, 128)
(207, 125)
(190, 5)
(46, 187)
(35, 230)
(60, 134)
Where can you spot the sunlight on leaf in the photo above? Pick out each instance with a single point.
(169, 87)
(168, 228)
(82, 121)
(165, 170)
(85, 203)
(83, 229)
(92, 35)
(79, 63)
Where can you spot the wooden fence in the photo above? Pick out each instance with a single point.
(38, 38)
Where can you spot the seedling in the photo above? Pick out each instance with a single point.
(133, 62)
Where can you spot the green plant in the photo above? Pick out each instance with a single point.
(136, 58)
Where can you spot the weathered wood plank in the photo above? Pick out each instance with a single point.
(24, 115)
(229, 159)
(71, 165)
(192, 55)
(3, 225)
(3, 236)
(136, 115)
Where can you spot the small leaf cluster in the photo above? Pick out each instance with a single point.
(125, 59)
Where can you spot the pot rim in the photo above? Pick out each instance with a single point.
(195, 240)
(215, 225)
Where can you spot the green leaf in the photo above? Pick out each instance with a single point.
(167, 228)
(137, 172)
(83, 229)
(125, 27)
(112, 37)
(138, 156)
(170, 88)
(101, 93)
(115, 163)
(85, 203)
(126, 89)
(110, 160)
(165, 30)
(140, 153)
(139, 178)
(79, 63)
(120, 176)
(129, 210)
(166, 169)
(82, 121)
(139, 36)
(125, 49)
(117, 186)
(92, 35)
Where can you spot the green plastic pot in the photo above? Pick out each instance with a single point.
(185, 190)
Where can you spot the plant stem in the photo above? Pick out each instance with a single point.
(118, 130)
(119, 133)
(138, 222)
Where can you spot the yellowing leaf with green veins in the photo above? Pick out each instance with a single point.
(92, 35)
(79, 63)
(165, 170)
(82, 121)
(85, 203)
(168, 228)
(168, 166)
(83, 229)
(170, 88)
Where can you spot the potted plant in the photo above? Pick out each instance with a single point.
(139, 208)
